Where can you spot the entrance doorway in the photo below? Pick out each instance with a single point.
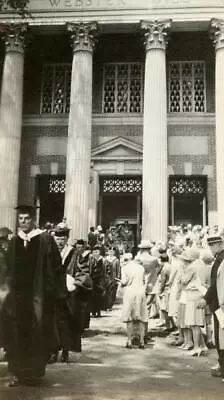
(120, 201)
(50, 195)
(188, 200)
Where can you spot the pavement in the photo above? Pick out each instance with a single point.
(106, 370)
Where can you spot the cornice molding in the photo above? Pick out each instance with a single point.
(107, 120)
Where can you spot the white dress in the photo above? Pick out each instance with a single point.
(134, 300)
(176, 270)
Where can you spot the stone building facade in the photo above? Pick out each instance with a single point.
(112, 110)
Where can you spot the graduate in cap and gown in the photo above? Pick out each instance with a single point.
(61, 235)
(35, 283)
(98, 275)
(79, 292)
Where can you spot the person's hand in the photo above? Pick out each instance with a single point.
(201, 303)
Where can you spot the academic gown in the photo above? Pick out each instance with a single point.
(98, 275)
(29, 310)
(77, 302)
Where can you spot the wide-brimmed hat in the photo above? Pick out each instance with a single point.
(207, 256)
(190, 254)
(145, 244)
(176, 250)
(127, 256)
(214, 239)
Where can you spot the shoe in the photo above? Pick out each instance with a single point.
(216, 373)
(210, 345)
(215, 367)
(53, 358)
(198, 352)
(178, 343)
(14, 382)
(172, 329)
(65, 356)
(175, 332)
(128, 345)
(161, 325)
(182, 346)
(188, 347)
(141, 346)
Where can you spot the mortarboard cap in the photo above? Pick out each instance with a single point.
(81, 242)
(25, 209)
(60, 232)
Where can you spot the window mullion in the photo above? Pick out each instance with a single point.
(193, 86)
(115, 88)
(65, 88)
(53, 88)
(129, 88)
(181, 86)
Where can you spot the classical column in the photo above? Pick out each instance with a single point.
(155, 186)
(79, 130)
(217, 30)
(11, 120)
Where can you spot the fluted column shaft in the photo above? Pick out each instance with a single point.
(11, 121)
(217, 28)
(155, 186)
(79, 130)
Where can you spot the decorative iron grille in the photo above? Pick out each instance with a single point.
(123, 88)
(56, 87)
(187, 88)
(188, 185)
(121, 185)
(57, 185)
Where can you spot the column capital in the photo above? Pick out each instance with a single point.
(14, 36)
(83, 36)
(155, 33)
(217, 32)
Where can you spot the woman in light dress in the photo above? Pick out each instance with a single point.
(188, 257)
(174, 288)
(134, 310)
(195, 317)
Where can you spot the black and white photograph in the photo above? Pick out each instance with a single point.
(111, 199)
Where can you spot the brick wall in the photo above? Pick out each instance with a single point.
(101, 134)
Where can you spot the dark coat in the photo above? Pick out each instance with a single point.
(29, 310)
(77, 302)
(98, 275)
(211, 296)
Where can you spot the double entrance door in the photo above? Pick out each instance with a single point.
(188, 200)
(120, 201)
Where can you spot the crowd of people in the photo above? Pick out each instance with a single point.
(50, 287)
